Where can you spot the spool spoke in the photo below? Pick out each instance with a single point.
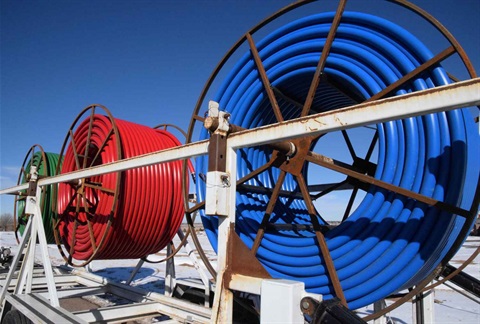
(89, 224)
(99, 187)
(263, 75)
(307, 198)
(371, 147)
(75, 151)
(409, 76)
(196, 207)
(332, 272)
(344, 168)
(332, 188)
(100, 149)
(89, 135)
(254, 173)
(268, 211)
(72, 243)
(323, 58)
(349, 144)
(350, 204)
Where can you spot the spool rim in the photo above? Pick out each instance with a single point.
(79, 187)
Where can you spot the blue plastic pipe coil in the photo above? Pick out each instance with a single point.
(389, 242)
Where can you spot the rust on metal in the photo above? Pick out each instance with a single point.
(241, 260)
(294, 165)
(268, 191)
(268, 212)
(332, 272)
(217, 153)
(308, 305)
(263, 76)
(412, 74)
(332, 164)
(323, 58)
(286, 147)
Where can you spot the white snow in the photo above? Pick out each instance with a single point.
(450, 306)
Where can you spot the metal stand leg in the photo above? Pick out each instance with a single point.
(169, 273)
(33, 231)
(378, 306)
(423, 308)
(135, 271)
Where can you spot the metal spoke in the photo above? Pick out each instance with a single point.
(263, 190)
(344, 168)
(74, 233)
(89, 224)
(333, 187)
(371, 147)
(268, 211)
(350, 204)
(263, 76)
(307, 198)
(332, 272)
(75, 151)
(89, 135)
(323, 58)
(100, 149)
(254, 173)
(99, 187)
(199, 118)
(409, 76)
(349, 144)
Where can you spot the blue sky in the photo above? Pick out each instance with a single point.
(147, 61)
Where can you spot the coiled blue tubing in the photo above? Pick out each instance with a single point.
(390, 242)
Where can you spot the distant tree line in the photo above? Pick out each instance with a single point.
(6, 222)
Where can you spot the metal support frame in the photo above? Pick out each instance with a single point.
(34, 231)
(461, 94)
(170, 276)
(423, 307)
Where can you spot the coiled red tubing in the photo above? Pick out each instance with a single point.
(150, 205)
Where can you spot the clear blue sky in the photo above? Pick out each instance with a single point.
(146, 60)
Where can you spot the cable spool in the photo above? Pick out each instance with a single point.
(188, 167)
(391, 241)
(46, 164)
(121, 215)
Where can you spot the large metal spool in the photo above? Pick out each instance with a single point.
(45, 164)
(395, 237)
(116, 215)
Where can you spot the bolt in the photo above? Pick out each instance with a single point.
(305, 304)
(226, 180)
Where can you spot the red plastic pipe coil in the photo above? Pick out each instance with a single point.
(150, 205)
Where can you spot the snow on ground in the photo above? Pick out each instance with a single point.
(450, 306)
